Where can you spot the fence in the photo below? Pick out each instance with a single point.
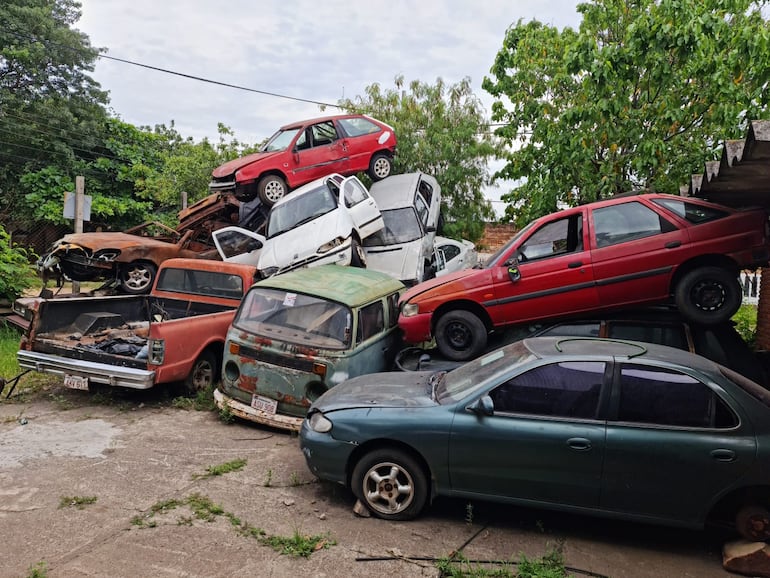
(750, 282)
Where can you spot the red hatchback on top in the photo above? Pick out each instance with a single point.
(307, 150)
(628, 250)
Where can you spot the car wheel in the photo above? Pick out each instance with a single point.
(357, 254)
(753, 523)
(380, 167)
(203, 374)
(460, 335)
(391, 483)
(708, 295)
(271, 189)
(137, 277)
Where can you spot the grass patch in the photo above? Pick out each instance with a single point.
(39, 570)
(296, 545)
(78, 502)
(551, 565)
(203, 400)
(221, 469)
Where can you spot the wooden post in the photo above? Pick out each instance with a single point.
(79, 201)
(184, 199)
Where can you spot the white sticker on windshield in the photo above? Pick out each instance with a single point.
(494, 356)
(290, 299)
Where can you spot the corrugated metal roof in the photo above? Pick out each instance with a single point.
(741, 177)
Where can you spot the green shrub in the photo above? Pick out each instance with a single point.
(746, 323)
(16, 273)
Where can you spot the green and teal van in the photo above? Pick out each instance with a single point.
(297, 334)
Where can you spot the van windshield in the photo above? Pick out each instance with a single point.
(296, 318)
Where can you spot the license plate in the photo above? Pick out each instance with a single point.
(269, 406)
(76, 382)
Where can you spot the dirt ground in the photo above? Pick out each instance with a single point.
(137, 452)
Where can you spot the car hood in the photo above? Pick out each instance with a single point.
(231, 167)
(391, 389)
(402, 261)
(300, 243)
(96, 241)
(437, 282)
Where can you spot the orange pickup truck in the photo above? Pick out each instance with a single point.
(174, 334)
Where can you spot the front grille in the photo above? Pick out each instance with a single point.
(305, 365)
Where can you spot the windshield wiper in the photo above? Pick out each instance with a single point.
(434, 380)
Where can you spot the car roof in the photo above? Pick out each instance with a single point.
(325, 118)
(398, 191)
(544, 347)
(350, 286)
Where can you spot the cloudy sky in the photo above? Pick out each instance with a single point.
(319, 50)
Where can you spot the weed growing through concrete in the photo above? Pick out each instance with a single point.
(294, 479)
(202, 401)
(78, 502)
(551, 565)
(469, 514)
(39, 570)
(268, 479)
(296, 545)
(221, 469)
(225, 415)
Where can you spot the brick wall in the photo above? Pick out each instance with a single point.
(495, 236)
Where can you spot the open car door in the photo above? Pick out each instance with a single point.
(237, 245)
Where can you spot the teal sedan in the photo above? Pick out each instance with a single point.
(597, 426)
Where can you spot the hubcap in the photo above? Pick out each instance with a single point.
(274, 191)
(388, 488)
(458, 335)
(382, 167)
(138, 278)
(709, 295)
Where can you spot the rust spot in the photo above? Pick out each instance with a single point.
(265, 341)
(307, 351)
(247, 383)
(291, 400)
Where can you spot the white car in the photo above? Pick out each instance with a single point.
(410, 204)
(454, 255)
(320, 223)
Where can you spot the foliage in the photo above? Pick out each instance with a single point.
(39, 570)
(746, 323)
(221, 469)
(639, 97)
(551, 565)
(16, 274)
(442, 131)
(78, 502)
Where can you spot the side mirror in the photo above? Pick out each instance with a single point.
(483, 406)
(513, 272)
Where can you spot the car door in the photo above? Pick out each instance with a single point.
(544, 442)
(673, 444)
(634, 251)
(549, 272)
(318, 152)
(361, 207)
(237, 245)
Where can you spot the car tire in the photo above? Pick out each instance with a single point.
(391, 484)
(203, 374)
(357, 254)
(137, 278)
(753, 523)
(380, 167)
(708, 295)
(271, 189)
(460, 335)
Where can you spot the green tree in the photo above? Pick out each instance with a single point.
(639, 97)
(442, 131)
(16, 274)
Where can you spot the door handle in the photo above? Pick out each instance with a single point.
(722, 455)
(581, 444)
(575, 264)
(673, 244)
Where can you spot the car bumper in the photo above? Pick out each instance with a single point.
(416, 328)
(249, 413)
(326, 457)
(103, 373)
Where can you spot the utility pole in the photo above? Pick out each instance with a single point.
(79, 202)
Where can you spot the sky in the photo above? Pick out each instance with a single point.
(318, 50)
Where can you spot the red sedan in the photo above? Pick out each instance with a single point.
(303, 151)
(629, 250)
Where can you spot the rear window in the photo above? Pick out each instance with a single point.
(209, 283)
(358, 126)
(691, 212)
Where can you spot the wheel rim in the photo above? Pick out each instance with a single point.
(361, 255)
(274, 190)
(458, 335)
(137, 278)
(388, 488)
(709, 295)
(756, 526)
(381, 167)
(203, 375)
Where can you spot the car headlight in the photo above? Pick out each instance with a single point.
(318, 422)
(410, 309)
(326, 247)
(267, 272)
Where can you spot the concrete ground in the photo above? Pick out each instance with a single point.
(137, 451)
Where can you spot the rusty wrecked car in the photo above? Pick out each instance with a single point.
(298, 334)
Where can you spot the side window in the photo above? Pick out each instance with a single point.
(422, 209)
(653, 395)
(302, 142)
(553, 239)
(354, 192)
(426, 191)
(692, 212)
(627, 222)
(324, 133)
(587, 329)
(450, 251)
(371, 321)
(357, 126)
(567, 389)
(393, 309)
(671, 335)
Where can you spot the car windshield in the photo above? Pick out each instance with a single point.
(469, 378)
(493, 260)
(401, 226)
(295, 317)
(281, 140)
(301, 209)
